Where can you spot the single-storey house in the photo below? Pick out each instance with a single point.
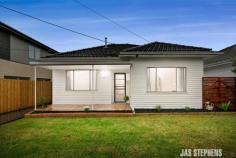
(151, 75)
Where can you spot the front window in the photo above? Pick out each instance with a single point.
(81, 80)
(166, 79)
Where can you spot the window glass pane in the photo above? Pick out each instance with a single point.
(69, 80)
(31, 52)
(120, 82)
(181, 79)
(152, 79)
(81, 80)
(121, 76)
(166, 79)
(120, 93)
(37, 53)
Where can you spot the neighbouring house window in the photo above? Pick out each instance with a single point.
(34, 53)
(166, 79)
(81, 80)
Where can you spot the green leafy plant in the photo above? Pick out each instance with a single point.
(126, 98)
(187, 108)
(225, 106)
(43, 102)
(158, 108)
(86, 108)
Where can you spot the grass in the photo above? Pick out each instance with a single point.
(140, 136)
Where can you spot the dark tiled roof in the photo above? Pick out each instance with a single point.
(112, 50)
(25, 37)
(229, 53)
(161, 47)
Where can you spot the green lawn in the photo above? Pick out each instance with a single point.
(140, 136)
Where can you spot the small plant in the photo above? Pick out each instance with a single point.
(158, 108)
(43, 102)
(86, 108)
(225, 106)
(187, 108)
(126, 99)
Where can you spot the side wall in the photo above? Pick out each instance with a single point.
(9, 68)
(4, 45)
(20, 50)
(220, 71)
(141, 99)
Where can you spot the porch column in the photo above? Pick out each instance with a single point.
(35, 88)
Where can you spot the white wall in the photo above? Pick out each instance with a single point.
(141, 99)
(61, 96)
(103, 95)
(9, 68)
(219, 71)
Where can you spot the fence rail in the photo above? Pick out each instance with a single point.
(19, 94)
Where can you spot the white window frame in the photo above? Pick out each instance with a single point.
(149, 85)
(91, 80)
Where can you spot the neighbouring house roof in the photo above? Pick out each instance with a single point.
(112, 50)
(229, 54)
(25, 37)
(164, 48)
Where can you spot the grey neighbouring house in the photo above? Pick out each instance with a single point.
(165, 74)
(17, 50)
(221, 65)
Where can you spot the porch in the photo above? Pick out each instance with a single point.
(114, 107)
(90, 88)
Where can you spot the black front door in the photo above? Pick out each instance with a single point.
(119, 87)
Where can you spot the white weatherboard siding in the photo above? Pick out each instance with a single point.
(100, 96)
(141, 99)
(219, 71)
(103, 95)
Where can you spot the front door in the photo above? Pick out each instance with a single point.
(119, 87)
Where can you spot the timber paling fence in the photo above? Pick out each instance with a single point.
(19, 94)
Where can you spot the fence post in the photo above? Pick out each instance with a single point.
(35, 88)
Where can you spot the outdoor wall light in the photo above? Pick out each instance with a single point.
(104, 73)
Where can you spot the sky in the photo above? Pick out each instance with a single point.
(205, 23)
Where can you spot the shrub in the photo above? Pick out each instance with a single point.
(187, 108)
(86, 108)
(43, 102)
(225, 106)
(158, 108)
(126, 98)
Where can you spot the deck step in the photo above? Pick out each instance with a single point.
(77, 114)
